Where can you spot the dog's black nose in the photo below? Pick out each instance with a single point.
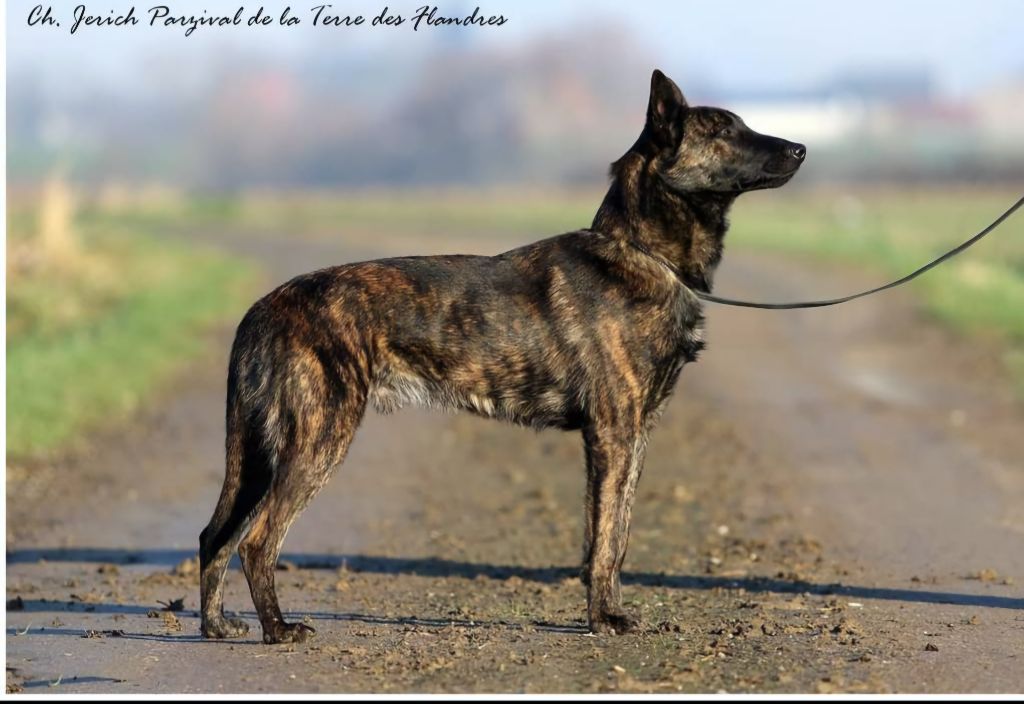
(798, 152)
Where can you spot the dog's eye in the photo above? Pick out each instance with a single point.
(727, 131)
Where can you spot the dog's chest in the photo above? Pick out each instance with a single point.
(681, 343)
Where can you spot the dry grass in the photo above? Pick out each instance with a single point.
(98, 314)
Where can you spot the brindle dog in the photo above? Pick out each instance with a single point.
(585, 331)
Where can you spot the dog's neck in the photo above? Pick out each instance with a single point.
(687, 229)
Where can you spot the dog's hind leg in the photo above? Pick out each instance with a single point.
(246, 482)
(316, 440)
(294, 487)
(614, 460)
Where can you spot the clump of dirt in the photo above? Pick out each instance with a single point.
(184, 574)
(15, 682)
(187, 568)
(984, 575)
(171, 623)
(91, 597)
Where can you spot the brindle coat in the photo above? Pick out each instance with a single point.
(585, 331)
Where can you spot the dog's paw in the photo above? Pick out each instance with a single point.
(614, 623)
(288, 633)
(223, 627)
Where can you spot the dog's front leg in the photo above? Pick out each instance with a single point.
(614, 461)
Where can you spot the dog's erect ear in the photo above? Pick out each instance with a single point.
(664, 111)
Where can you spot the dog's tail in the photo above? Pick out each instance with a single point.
(248, 459)
(250, 413)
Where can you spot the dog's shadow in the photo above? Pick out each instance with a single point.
(440, 567)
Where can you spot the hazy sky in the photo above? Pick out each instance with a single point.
(741, 44)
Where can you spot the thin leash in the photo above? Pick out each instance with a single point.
(833, 301)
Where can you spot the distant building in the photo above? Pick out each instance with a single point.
(851, 103)
(1000, 112)
(890, 85)
(809, 121)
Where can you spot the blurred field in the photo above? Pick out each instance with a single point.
(423, 214)
(99, 313)
(104, 302)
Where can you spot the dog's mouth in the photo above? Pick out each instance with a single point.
(771, 179)
(782, 174)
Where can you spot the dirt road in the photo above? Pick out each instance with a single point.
(834, 501)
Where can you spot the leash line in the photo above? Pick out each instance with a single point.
(835, 301)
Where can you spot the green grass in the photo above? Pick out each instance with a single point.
(88, 340)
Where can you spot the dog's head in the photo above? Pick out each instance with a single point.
(708, 149)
